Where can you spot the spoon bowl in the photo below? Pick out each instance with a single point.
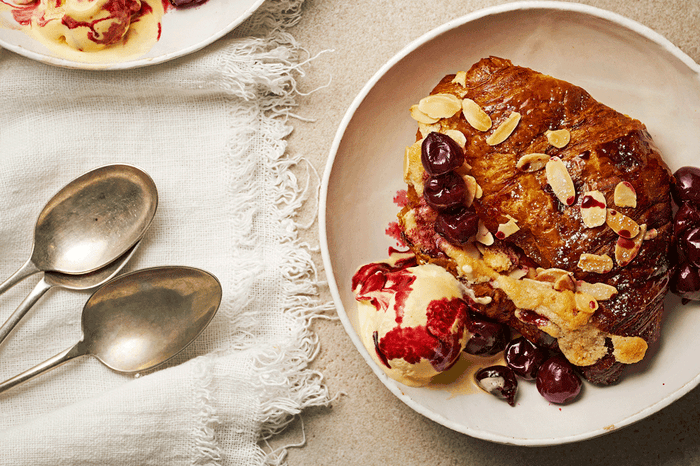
(139, 320)
(71, 282)
(91, 222)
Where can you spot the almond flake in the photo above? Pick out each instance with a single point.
(471, 185)
(504, 130)
(593, 209)
(413, 167)
(421, 117)
(460, 78)
(507, 229)
(585, 302)
(595, 263)
(483, 235)
(599, 291)
(440, 105)
(651, 234)
(559, 138)
(622, 224)
(625, 195)
(457, 136)
(425, 129)
(626, 249)
(565, 282)
(550, 275)
(475, 115)
(559, 179)
(532, 162)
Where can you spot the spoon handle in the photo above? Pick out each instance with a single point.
(60, 358)
(31, 299)
(26, 270)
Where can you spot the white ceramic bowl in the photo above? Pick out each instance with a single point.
(622, 64)
(184, 31)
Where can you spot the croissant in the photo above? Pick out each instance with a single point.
(573, 207)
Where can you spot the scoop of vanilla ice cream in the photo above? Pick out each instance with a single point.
(86, 25)
(412, 317)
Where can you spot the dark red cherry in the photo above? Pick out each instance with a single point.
(524, 357)
(557, 382)
(445, 192)
(440, 154)
(457, 227)
(685, 281)
(689, 243)
(686, 187)
(686, 217)
(485, 336)
(499, 381)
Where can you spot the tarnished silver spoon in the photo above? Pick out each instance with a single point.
(70, 282)
(140, 320)
(92, 221)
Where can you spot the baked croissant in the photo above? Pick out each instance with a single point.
(574, 211)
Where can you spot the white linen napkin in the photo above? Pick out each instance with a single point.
(209, 129)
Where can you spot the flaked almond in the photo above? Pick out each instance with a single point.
(413, 167)
(457, 136)
(507, 229)
(560, 181)
(565, 282)
(421, 117)
(595, 263)
(651, 234)
(625, 195)
(470, 183)
(475, 115)
(626, 249)
(559, 138)
(600, 291)
(426, 129)
(622, 224)
(585, 302)
(550, 275)
(504, 130)
(460, 78)
(532, 162)
(440, 105)
(593, 209)
(479, 192)
(483, 235)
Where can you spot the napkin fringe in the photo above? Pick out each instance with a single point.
(264, 71)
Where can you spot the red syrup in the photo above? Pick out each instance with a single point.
(379, 282)
(434, 342)
(589, 202)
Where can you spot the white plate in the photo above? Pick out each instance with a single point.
(622, 64)
(184, 31)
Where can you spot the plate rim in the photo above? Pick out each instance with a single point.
(616, 18)
(138, 62)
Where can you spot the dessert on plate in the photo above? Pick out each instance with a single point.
(552, 210)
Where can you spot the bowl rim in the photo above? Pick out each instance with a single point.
(616, 18)
(137, 62)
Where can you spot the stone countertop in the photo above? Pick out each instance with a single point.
(367, 425)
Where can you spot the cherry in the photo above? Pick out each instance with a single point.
(686, 217)
(524, 357)
(499, 381)
(557, 382)
(457, 227)
(445, 192)
(486, 337)
(686, 186)
(440, 154)
(685, 281)
(689, 243)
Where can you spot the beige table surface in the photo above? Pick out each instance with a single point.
(368, 425)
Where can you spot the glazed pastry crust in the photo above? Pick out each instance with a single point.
(605, 148)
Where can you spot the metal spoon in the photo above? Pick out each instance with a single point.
(140, 320)
(91, 222)
(71, 282)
